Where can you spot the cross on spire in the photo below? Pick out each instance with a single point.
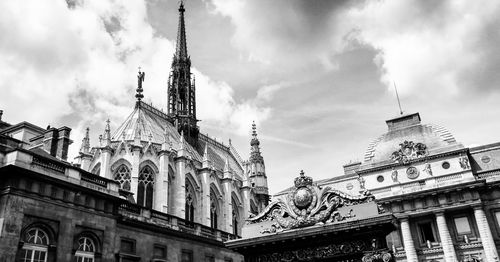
(181, 47)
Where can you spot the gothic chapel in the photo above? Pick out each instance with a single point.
(163, 162)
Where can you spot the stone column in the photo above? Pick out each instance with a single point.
(205, 196)
(106, 163)
(490, 250)
(446, 242)
(134, 173)
(179, 187)
(411, 252)
(245, 192)
(227, 205)
(161, 183)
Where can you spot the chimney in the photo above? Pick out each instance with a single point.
(63, 142)
(50, 141)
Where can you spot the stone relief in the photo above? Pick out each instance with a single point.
(428, 169)
(361, 181)
(464, 162)
(308, 205)
(409, 151)
(412, 172)
(394, 176)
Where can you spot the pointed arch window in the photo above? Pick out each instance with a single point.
(122, 175)
(35, 248)
(86, 250)
(97, 169)
(145, 187)
(213, 211)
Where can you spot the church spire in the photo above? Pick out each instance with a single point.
(85, 148)
(181, 47)
(181, 88)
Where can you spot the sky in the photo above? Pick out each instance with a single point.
(316, 76)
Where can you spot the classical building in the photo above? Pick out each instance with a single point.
(445, 196)
(154, 189)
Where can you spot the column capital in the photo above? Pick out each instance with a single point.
(477, 207)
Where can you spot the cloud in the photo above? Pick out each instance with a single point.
(76, 64)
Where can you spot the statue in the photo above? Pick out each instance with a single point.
(428, 169)
(394, 176)
(464, 162)
(361, 181)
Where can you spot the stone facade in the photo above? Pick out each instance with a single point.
(54, 211)
(445, 195)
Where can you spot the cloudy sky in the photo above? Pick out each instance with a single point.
(316, 76)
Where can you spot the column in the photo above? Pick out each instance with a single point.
(161, 183)
(411, 253)
(105, 163)
(134, 173)
(205, 196)
(179, 187)
(490, 250)
(227, 205)
(444, 235)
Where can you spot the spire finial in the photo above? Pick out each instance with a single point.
(107, 134)
(397, 96)
(181, 47)
(254, 129)
(140, 80)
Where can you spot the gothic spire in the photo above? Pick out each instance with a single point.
(181, 47)
(107, 134)
(85, 142)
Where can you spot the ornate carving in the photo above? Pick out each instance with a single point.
(361, 181)
(428, 169)
(409, 151)
(394, 176)
(464, 163)
(378, 256)
(412, 172)
(308, 205)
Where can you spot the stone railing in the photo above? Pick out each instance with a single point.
(146, 215)
(94, 179)
(46, 163)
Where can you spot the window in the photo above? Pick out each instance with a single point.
(190, 203)
(462, 225)
(213, 211)
(122, 175)
(209, 258)
(159, 251)
(380, 178)
(127, 246)
(145, 187)
(35, 246)
(426, 232)
(85, 251)
(445, 165)
(187, 256)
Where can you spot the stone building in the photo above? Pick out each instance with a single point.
(154, 189)
(444, 195)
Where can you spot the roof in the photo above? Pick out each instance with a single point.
(152, 125)
(409, 128)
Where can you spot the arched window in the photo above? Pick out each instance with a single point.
(85, 251)
(190, 203)
(213, 211)
(145, 187)
(97, 169)
(35, 246)
(235, 217)
(122, 175)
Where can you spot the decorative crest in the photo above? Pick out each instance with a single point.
(140, 80)
(409, 151)
(302, 180)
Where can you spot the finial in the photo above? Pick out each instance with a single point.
(397, 96)
(107, 133)
(140, 80)
(181, 6)
(254, 129)
(226, 166)
(302, 173)
(205, 163)
(150, 137)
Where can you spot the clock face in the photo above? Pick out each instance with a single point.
(412, 172)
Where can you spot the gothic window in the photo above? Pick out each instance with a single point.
(235, 221)
(213, 211)
(96, 170)
(35, 246)
(85, 251)
(145, 187)
(189, 208)
(122, 175)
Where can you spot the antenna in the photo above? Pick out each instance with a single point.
(397, 96)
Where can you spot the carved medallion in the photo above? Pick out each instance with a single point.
(409, 151)
(412, 172)
(307, 205)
